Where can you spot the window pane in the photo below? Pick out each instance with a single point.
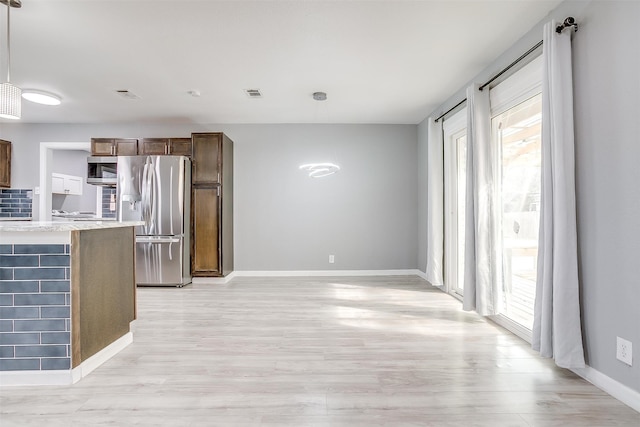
(517, 132)
(461, 152)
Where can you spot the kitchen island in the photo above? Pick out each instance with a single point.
(67, 298)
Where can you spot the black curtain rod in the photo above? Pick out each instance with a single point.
(568, 22)
(451, 109)
(508, 67)
(504, 70)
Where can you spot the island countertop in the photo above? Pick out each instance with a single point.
(62, 226)
(47, 232)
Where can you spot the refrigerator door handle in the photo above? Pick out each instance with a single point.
(148, 208)
(171, 201)
(154, 239)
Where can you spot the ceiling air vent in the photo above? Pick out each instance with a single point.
(127, 94)
(253, 93)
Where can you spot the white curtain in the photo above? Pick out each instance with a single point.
(482, 264)
(435, 203)
(556, 328)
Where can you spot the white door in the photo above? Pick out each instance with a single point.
(455, 172)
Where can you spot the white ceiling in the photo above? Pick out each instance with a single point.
(378, 61)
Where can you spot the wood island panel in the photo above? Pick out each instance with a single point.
(103, 289)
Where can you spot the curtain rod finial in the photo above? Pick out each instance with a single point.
(568, 22)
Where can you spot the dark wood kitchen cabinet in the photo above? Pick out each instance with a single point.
(165, 146)
(206, 214)
(206, 158)
(211, 205)
(5, 164)
(114, 146)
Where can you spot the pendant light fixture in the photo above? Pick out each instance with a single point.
(10, 95)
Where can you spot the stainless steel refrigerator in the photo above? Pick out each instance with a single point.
(157, 190)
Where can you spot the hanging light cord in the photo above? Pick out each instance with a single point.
(8, 41)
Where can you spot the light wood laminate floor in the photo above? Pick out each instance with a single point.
(377, 351)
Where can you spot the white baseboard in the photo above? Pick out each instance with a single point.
(28, 378)
(305, 273)
(102, 356)
(607, 384)
(214, 280)
(421, 274)
(65, 377)
(327, 273)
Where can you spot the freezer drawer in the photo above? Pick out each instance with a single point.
(159, 261)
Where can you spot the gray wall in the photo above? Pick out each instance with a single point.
(607, 128)
(607, 117)
(365, 215)
(73, 162)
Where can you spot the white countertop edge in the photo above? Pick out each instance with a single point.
(62, 226)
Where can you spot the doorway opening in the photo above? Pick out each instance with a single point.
(45, 199)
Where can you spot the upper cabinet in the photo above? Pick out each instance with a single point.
(5, 164)
(165, 146)
(114, 146)
(66, 184)
(205, 164)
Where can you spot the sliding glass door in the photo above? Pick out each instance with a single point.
(455, 178)
(516, 132)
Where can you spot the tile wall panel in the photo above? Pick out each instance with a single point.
(16, 203)
(35, 308)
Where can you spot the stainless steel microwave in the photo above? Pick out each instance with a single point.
(102, 171)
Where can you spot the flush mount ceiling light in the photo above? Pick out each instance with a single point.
(318, 170)
(41, 97)
(320, 96)
(10, 102)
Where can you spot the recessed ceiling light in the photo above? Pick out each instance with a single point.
(41, 97)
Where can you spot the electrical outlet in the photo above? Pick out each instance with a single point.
(624, 351)
(332, 259)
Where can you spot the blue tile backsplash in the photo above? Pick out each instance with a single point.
(35, 314)
(16, 203)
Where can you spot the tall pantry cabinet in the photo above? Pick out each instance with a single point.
(211, 205)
